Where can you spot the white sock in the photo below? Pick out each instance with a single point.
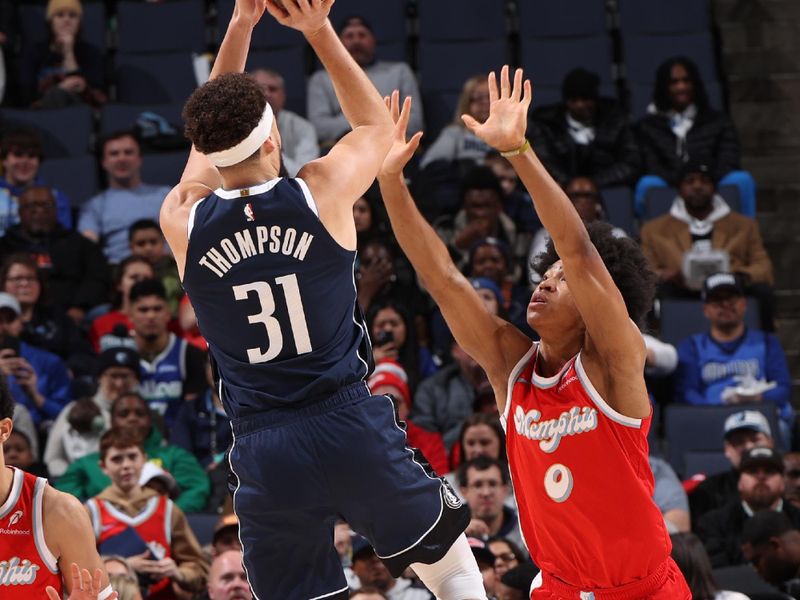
(455, 576)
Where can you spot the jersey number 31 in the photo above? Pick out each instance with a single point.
(297, 317)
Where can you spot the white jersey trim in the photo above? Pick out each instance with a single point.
(512, 379)
(548, 382)
(245, 192)
(13, 495)
(50, 561)
(94, 515)
(190, 222)
(309, 198)
(344, 589)
(149, 510)
(598, 399)
(152, 366)
(168, 522)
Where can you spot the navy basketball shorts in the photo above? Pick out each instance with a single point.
(299, 470)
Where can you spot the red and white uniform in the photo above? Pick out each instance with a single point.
(584, 488)
(27, 566)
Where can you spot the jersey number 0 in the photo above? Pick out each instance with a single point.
(297, 317)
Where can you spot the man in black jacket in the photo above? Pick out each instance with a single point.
(586, 135)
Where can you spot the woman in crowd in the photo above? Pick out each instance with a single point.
(692, 559)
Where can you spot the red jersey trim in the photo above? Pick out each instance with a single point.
(601, 404)
(512, 379)
(14, 493)
(50, 561)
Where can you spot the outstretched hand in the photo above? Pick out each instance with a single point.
(84, 586)
(307, 16)
(250, 10)
(504, 130)
(401, 151)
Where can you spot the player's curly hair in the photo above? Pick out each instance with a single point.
(222, 112)
(625, 261)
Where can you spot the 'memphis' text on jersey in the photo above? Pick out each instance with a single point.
(254, 241)
(574, 421)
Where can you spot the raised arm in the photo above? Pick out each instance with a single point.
(494, 343)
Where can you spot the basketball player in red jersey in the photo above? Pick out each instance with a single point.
(574, 404)
(44, 534)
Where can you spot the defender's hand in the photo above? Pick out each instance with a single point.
(84, 586)
(508, 112)
(250, 11)
(307, 16)
(401, 151)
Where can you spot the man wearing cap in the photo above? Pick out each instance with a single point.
(761, 487)
(226, 535)
(585, 135)
(118, 373)
(485, 559)
(371, 572)
(731, 364)
(742, 431)
(324, 110)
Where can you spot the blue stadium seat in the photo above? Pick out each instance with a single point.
(202, 525)
(388, 18)
(65, 131)
(289, 62)
(144, 27)
(658, 200)
(267, 34)
(33, 25)
(699, 429)
(75, 176)
(682, 318)
(440, 111)
(619, 208)
(445, 66)
(642, 96)
(708, 463)
(663, 16)
(155, 78)
(643, 53)
(566, 18)
(451, 20)
(119, 117)
(547, 60)
(163, 168)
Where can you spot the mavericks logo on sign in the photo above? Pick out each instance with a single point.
(16, 572)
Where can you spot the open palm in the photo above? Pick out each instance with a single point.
(401, 151)
(84, 585)
(508, 112)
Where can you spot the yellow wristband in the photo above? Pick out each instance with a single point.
(521, 150)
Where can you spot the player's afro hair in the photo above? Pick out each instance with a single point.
(624, 260)
(222, 112)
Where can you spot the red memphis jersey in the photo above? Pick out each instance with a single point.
(27, 566)
(581, 479)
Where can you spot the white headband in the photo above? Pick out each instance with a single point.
(248, 146)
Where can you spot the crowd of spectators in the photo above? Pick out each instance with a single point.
(114, 390)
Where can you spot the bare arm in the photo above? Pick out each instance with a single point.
(494, 343)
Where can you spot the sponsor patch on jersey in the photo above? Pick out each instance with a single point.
(15, 518)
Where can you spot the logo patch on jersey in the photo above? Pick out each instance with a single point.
(449, 496)
(16, 572)
(15, 518)
(249, 213)
(549, 433)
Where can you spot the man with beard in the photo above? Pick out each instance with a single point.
(761, 487)
(771, 544)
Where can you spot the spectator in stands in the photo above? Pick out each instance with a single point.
(64, 70)
(226, 535)
(372, 572)
(298, 136)
(145, 239)
(448, 397)
(7, 30)
(173, 371)
(516, 583)
(106, 218)
(692, 559)
(742, 431)
(74, 268)
(227, 579)
(586, 135)
(517, 204)
(126, 586)
(731, 364)
(369, 225)
(77, 429)
(323, 107)
(368, 593)
(390, 378)
(484, 483)
(17, 452)
(670, 496)
(491, 258)
(189, 328)
(85, 479)
(128, 273)
(146, 528)
(24, 422)
(771, 544)
(761, 486)
(507, 555)
(22, 155)
(682, 127)
(791, 463)
(36, 378)
(485, 559)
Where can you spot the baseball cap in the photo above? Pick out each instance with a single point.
(119, 356)
(361, 548)
(390, 373)
(580, 83)
(484, 283)
(692, 167)
(481, 551)
(10, 302)
(151, 471)
(229, 521)
(761, 456)
(719, 282)
(747, 419)
(520, 577)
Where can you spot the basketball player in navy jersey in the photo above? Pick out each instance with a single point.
(268, 265)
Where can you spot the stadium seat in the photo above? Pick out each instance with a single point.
(144, 27)
(33, 24)
(708, 463)
(445, 66)
(202, 525)
(388, 18)
(547, 60)
(451, 20)
(699, 429)
(120, 117)
(641, 95)
(65, 131)
(163, 168)
(681, 318)
(267, 34)
(643, 54)
(155, 78)
(75, 176)
(663, 16)
(440, 111)
(566, 18)
(658, 200)
(289, 62)
(619, 208)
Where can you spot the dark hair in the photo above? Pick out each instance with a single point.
(354, 20)
(142, 225)
(118, 135)
(6, 401)
(119, 273)
(492, 242)
(580, 83)
(27, 260)
(625, 262)
(116, 402)
(661, 97)
(147, 287)
(515, 550)
(492, 421)
(408, 355)
(765, 525)
(692, 559)
(119, 438)
(26, 140)
(221, 113)
(482, 463)
(481, 178)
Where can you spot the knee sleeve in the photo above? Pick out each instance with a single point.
(455, 576)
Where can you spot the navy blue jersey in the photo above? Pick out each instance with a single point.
(275, 297)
